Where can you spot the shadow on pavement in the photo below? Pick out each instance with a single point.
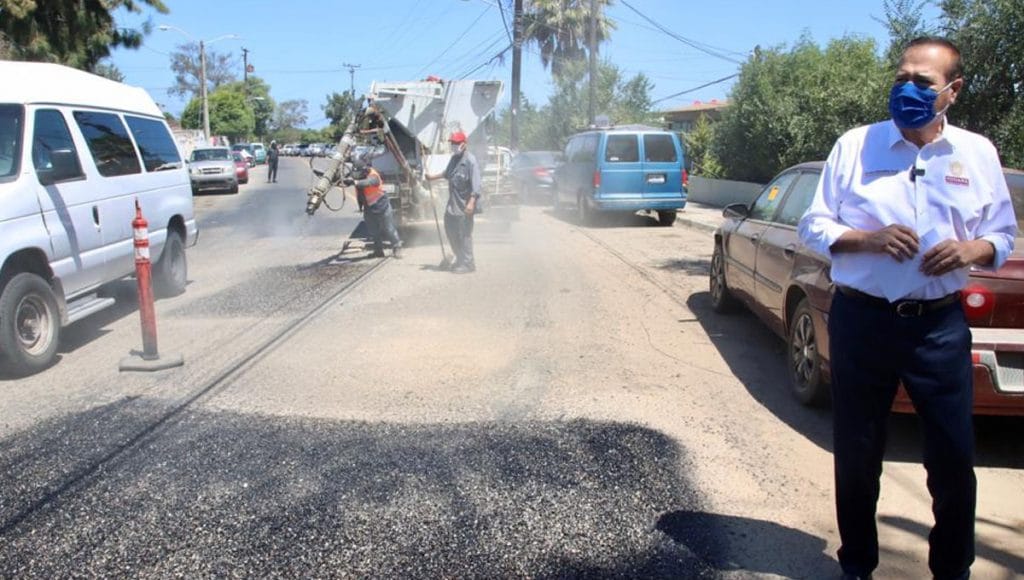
(982, 550)
(757, 358)
(732, 543)
(164, 491)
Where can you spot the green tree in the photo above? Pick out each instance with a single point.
(338, 108)
(185, 64)
(256, 94)
(288, 117)
(230, 115)
(559, 29)
(633, 101)
(905, 21)
(699, 144)
(108, 70)
(791, 106)
(988, 33)
(70, 32)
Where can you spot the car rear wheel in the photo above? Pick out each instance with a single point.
(29, 324)
(806, 377)
(722, 300)
(170, 275)
(666, 218)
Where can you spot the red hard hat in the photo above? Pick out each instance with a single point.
(457, 137)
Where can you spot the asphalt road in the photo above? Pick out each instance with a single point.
(572, 409)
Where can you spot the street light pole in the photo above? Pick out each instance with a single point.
(202, 73)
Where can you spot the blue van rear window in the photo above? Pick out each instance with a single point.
(659, 149)
(622, 149)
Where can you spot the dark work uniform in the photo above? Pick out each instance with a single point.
(272, 156)
(464, 182)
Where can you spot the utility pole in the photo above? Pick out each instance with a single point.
(352, 82)
(202, 91)
(517, 64)
(593, 57)
(245, 67)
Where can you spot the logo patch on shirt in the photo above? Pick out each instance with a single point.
(956, 180)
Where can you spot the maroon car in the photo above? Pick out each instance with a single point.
(760, 262)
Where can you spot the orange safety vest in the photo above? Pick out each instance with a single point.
(371, 193)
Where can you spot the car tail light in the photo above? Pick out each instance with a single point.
(686, 179)
(541, 171)
(597, 180)
(978, 301)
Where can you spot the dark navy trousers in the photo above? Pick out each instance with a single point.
(872, 348)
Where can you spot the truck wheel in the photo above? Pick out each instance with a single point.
(666, 218)
(722, 300)
(29, 324)
(170, 274)
(804, 359)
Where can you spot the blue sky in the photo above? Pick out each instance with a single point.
(299, 47)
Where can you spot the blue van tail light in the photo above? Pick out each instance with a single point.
(686, 179)
(597, 179)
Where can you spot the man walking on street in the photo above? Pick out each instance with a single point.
(905, 207)
(272, 155)
(377, 212)
(464, 187)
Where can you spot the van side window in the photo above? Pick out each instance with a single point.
(659, 149)
(51, 138)
(588, 151)
(571, 148)
(12, 121)
(622, 149)
(156, 145)
(109, 143)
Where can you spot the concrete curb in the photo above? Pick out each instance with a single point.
(696, 224)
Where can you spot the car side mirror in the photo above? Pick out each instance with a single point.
(736, 210)
(63, 166)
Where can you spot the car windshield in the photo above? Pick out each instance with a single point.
(210, 155)
(11, 121)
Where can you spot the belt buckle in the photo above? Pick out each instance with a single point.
(910, 309)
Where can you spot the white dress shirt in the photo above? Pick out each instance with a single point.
(952, 188)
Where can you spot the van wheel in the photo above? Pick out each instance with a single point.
(170, 274)
(584, 214)
(804, 359)
(234, 188)
(722, 300)
(666, 218)
(29, 324)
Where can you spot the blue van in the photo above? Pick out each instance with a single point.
(622, 169)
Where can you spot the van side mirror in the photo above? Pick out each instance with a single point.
(63, 166)
(736, 210)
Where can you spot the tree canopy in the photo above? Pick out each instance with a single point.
(70, 32)
(185, 64)
(559, 29)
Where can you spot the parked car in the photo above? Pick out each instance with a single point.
(624, 169)
(532, 173)
(241, 167)
(259, 152)
(213, 168)
(759, 261)
(77, 153)
(246, 150)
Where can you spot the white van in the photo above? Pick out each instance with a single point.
(76, 152)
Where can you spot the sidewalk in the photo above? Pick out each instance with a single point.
(700, 216)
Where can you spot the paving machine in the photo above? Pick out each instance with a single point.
(402, 130)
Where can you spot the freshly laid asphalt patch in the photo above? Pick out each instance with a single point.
(224, 494)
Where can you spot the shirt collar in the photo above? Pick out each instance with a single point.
(896, 136)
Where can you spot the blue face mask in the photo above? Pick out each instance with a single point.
(913, 107)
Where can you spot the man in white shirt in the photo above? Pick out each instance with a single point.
(904, 208)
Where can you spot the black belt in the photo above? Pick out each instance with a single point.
(903, 308)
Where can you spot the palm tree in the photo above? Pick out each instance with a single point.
(559, 29)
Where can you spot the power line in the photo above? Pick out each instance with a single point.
(489, 61)
(691, 43)
(454, 42)
(682, 92)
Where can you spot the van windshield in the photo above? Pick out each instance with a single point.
(11, 123)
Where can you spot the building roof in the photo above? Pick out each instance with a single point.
(697, 106)
(46, 83)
